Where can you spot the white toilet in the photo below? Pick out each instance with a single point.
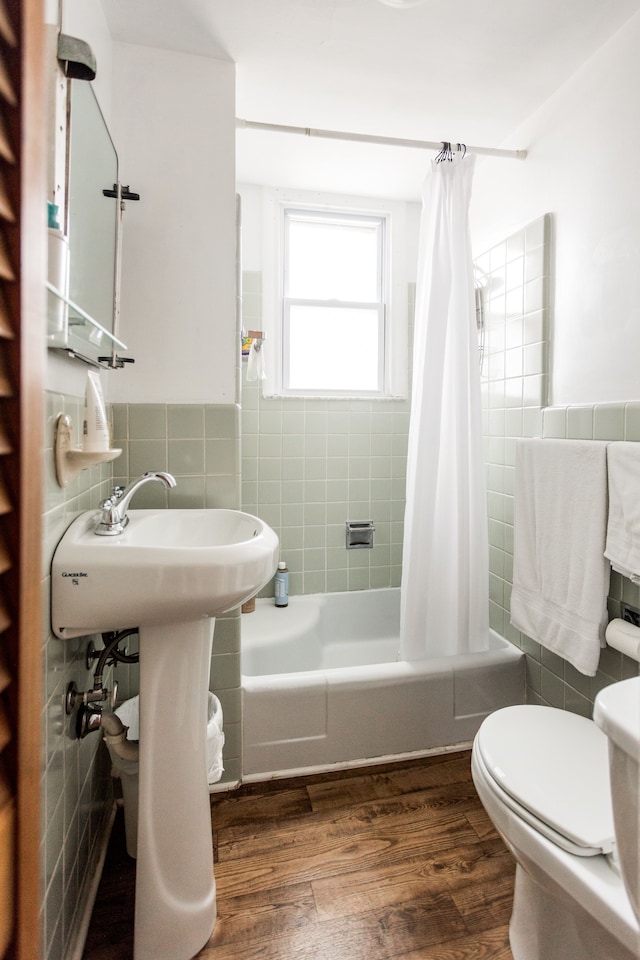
(565, 797)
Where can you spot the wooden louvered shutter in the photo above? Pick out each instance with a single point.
(22, 349)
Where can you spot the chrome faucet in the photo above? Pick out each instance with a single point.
(114, 508)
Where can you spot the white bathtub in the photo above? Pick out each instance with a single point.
(323, 688)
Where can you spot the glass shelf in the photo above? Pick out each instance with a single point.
(84, 319)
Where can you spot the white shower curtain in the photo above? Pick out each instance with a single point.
(445, 588)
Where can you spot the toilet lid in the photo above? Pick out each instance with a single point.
(555, 766)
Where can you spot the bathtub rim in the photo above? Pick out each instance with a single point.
(376, 671)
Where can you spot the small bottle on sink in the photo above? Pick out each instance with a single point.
(282, 585)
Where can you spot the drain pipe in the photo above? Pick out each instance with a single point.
(115, 736)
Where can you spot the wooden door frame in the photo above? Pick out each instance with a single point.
(25, 363)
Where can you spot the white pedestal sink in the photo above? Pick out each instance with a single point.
(170, 574)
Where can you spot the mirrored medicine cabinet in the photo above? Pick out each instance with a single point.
(83, 316)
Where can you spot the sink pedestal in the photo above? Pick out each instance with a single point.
(175, 908)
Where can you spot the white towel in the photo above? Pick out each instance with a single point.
(560, 574)
(623, 527)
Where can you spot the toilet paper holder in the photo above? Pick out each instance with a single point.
(624, 636)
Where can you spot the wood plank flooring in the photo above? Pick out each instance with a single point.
(373, 864)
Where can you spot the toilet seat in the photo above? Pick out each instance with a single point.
(551, 768)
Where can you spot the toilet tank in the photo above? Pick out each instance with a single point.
(617, 713)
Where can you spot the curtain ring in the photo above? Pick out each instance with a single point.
(446, 153)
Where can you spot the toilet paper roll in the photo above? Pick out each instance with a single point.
(624, 637)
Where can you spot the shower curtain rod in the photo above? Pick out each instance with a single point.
(366, 138)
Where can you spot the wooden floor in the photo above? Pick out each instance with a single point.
(375, 864)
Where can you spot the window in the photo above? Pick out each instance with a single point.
(334, 303)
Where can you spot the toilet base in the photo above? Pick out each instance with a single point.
(565, 907)
(547, 925)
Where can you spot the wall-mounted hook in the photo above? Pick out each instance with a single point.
(257, 336)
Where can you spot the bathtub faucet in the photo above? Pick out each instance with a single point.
(114, 508)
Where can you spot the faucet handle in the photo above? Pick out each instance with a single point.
(111, 522)
(112, 500)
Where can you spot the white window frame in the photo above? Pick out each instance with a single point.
(397, 231)
(346, 217)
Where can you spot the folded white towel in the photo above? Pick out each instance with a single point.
(623, 527)
(560, 574)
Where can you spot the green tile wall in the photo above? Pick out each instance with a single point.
(516, 279)
(75, 785)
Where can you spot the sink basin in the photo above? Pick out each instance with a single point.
(167, 566)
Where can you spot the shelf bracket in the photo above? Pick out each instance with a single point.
(69, 460)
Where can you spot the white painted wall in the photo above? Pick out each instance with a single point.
(172, 118)
(584, 145)
(173, 122)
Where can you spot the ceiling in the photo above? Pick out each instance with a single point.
(461, 70)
